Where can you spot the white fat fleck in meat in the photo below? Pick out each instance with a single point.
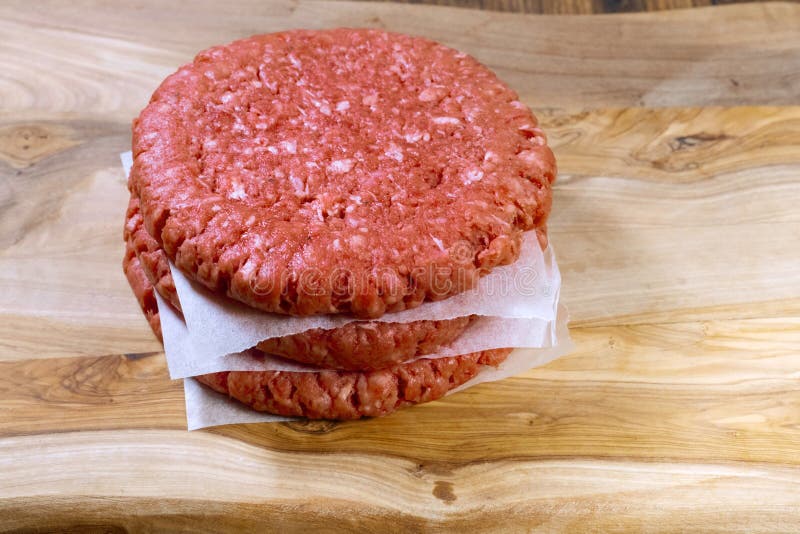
(531, 157)
(357, 241)
(337, 244)
(272, 150)
(271, 85)
(289, 146)
(446, 120)
(413, 137)
(534, 133)
(432, 94)
(226, 97)
(471, 114)
(401, 59)
(322, 106)
(296, 62)
(248, 268)
(340, 166)
(438, 242)
(237, 192)
(215, 208)
(250, 220)
(473, 175)
(209, 145)
(370, 99)
(394, 152)
(297, 183)
(343, 105)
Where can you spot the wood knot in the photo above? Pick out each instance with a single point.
(92, 380)
(684, 152)
(443, 491)
(22, 145)
(684, 142)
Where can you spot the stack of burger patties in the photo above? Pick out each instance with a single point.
(350, 175)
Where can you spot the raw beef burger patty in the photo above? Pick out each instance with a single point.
(351, 395)
(342, 170)
(357, 346)
(329, 394)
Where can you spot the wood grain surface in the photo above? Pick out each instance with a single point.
(676, 228)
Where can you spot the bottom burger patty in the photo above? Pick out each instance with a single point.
(328, 394)
(351, 394)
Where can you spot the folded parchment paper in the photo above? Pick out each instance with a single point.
(483, 334)
(526, 289)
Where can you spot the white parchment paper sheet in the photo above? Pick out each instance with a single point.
(526, 289)
(483, 334)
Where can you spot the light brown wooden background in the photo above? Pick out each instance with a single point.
(676, 227)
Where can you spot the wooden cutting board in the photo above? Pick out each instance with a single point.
(677, 229)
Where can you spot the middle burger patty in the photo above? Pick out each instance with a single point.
(357, 346)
